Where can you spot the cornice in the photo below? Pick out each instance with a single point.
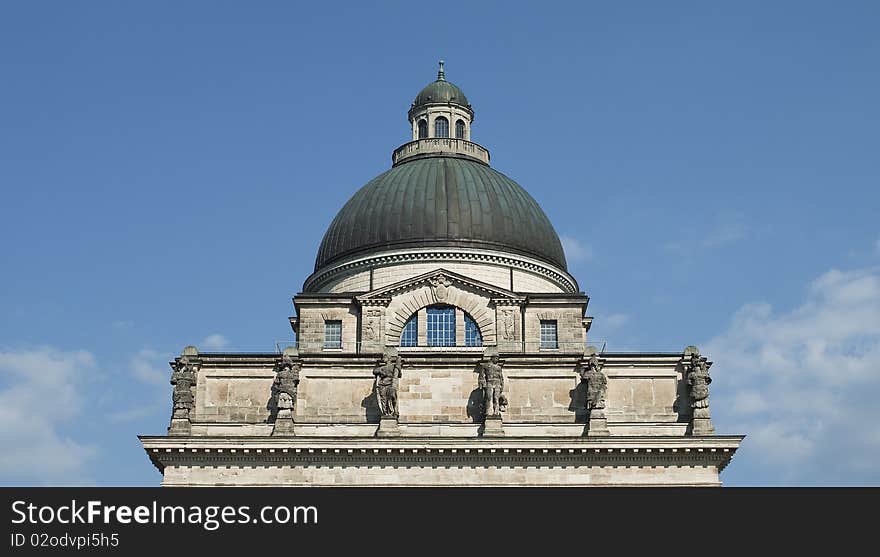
(320, 277)
(714, 451)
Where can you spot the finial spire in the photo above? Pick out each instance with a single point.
(441, 75)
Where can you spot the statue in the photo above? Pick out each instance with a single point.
(286, 382)
(696, 376)
(698, 382)
(183, 378)
(596, 382)
(491, 381)
(388, 372)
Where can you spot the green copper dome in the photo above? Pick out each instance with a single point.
(441, 201)
(441, 91)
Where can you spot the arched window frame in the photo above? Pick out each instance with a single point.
(422, 128)
(472, 334)
(441, 127)
(441, 329)
(460, 129)
(409, 336)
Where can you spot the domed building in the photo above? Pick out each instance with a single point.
(441, 340)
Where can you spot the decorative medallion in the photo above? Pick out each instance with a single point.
(440, 285)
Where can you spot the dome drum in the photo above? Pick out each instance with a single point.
(440, 147)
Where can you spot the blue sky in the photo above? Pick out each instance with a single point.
(168, 169)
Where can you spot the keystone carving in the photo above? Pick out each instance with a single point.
(440, 286)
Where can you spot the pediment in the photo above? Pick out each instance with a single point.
(438, 280)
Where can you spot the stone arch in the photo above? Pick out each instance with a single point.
(404, 305)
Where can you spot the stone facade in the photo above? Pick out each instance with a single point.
(502, 388)
(648, 409)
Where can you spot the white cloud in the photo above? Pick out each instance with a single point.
(120, 325)
(215, 342)
(615, 320)
(138, 412)
(151, 368)
(39, 394)
(724, 233)
(801, 383)
(575, 250)
(725, 230)
(145, 366)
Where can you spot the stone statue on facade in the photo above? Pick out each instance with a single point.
(183, 378)
(698, 383)
(595, 381)
(286, 383)
(491, 381)
(388, 372)
(284, 389)
(696, 369)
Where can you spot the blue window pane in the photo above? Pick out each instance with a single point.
(472, 336)
(332, 334)
(410, 334)
(441, 326)
(441, 127)
(548, 334)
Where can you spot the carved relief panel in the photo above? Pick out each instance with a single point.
(508, 326)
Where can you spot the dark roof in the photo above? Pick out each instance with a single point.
(441, 91)
(441, 202)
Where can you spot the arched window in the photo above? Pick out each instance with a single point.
(423, 129)
(410, 334)
(441, 127)
(441, 326)
(459, 129)
(472, 336)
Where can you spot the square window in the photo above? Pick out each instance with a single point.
(548, 334)
(332, 334)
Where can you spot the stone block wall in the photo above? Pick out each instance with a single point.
(230, 394)
(569, 325)
(443, 389)
(312, 318)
